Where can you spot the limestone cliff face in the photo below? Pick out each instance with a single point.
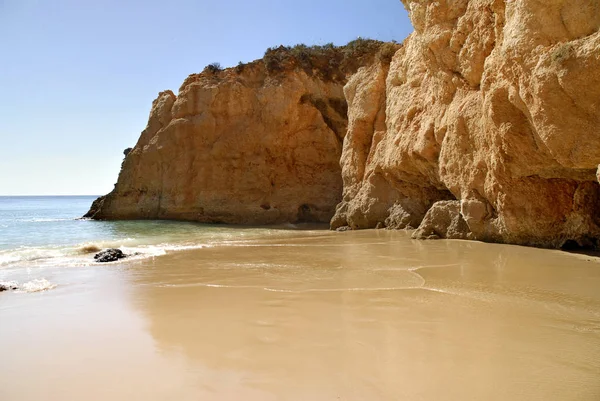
(491, 109)
(256, 144)
(484, 124)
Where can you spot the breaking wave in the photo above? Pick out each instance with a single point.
(37, 285)
(82, 254)
(43, 220)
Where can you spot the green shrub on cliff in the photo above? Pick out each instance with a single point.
(328, 61)
(240, 67)
(213, 68)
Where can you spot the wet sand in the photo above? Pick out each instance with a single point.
(368, 315)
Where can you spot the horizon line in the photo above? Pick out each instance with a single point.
(24, 196)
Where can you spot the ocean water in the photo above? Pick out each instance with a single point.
(38, 232)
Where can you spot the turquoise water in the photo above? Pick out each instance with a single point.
(48, 220)
(47, 231)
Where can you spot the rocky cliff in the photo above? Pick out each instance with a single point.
(484, 125)
(255, 144)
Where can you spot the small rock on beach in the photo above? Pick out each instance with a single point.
(109, 255)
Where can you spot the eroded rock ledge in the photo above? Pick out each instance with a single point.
(485, 124)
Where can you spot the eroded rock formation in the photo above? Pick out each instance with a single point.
(256, 144)
(492, 104)
(485, 124)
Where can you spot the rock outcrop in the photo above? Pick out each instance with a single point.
(255, 144)
(109, 255)
(484, 124)
(490, 113)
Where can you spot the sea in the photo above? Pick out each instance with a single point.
(48, 232)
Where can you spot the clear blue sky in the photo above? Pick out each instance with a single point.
(78, 77)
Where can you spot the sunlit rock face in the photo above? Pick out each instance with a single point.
(484, 124)
(255, 144)
(492, 104)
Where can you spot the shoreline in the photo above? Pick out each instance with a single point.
(35, 274)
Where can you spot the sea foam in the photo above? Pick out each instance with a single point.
(36, 285)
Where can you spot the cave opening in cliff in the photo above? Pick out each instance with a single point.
(583, 245)
(305, 214)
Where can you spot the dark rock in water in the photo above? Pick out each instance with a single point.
(4, 287)
(109, 255)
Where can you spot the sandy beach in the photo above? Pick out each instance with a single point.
(368, 315)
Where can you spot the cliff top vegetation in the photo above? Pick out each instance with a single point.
(328, 62)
